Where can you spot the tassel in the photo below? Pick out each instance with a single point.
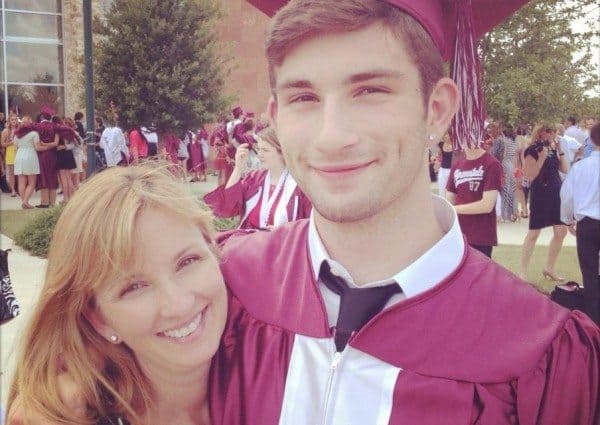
(468, 124)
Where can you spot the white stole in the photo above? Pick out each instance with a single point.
(286, 185)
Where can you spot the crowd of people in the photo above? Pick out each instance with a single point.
(513, 176)
(43, 155)
(372, 310)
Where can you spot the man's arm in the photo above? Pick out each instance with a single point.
(567, 212)
(485, 205)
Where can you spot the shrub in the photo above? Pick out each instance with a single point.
(35, 236)
(222, 224)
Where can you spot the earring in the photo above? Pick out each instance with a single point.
(114, 339)
(431, 137)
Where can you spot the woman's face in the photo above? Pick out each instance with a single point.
(171, 307)
(547, 135)
(14, 121)
(268, 155)
(26, 120)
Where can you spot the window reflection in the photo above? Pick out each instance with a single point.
(34, 5)
(29, 99)
(33, 25)
(34, 63)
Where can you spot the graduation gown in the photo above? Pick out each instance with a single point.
(246, 195)
(480, 347)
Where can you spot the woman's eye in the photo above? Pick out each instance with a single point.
(134, 286)
(187, 261)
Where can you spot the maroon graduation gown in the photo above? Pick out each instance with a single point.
(240, 198)
(481, 347)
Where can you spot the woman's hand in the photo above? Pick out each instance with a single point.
(241, 155)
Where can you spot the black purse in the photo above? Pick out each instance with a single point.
(9, 307)
(569, 295)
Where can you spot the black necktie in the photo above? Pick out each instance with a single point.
(357, 305)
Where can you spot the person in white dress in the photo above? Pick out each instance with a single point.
(27, 165)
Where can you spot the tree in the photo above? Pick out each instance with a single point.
(157, 61)
(537, 67)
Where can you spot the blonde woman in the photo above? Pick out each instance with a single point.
(263, 198)
(6, 140)
(542, 160)
(134, 314)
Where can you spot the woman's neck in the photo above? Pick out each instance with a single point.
(276, 173)
(180, 397)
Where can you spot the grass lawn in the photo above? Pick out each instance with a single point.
(11, 221)
(507, 255)
(567, 265)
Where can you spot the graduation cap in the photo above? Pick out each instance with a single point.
(47, 110)
(454, 26)
(237, 111)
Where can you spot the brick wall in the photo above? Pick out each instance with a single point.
(241, 30)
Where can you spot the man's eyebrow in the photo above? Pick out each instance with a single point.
(294, 84)
(352, 79)
(372, 75)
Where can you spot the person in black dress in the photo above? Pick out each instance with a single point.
(543, 159)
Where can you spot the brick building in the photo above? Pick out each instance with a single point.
(41, 54)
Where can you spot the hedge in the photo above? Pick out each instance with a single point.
(36, 234)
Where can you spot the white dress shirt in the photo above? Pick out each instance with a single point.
(580, 192)
(113, 143)
(423, 274)
(576, 133)
(569, 146)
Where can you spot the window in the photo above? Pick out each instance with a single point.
(31, 56)
(34, 5)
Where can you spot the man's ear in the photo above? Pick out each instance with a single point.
(272, 110)
(442, 106)
(97, 321)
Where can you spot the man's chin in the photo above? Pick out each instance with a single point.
(344, 213)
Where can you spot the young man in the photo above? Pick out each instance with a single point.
(580, 209)
(358, 95)
(472, 188)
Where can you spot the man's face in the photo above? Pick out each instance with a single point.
(351, 120)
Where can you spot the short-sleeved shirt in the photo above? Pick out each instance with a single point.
(468, 180)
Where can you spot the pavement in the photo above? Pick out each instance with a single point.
(27, 274)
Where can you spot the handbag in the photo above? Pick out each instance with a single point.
(569, 295)
(9, 307)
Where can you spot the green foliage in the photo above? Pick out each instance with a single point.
(157, 60)
(222, 224)
(36, 234)
(538, 68)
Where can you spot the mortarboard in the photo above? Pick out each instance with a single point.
(47, 109)
(454, 26)
(237, 111)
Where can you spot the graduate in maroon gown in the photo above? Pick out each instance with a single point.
(196, 163)
(262, 198)
(219, 141)
(375, 310)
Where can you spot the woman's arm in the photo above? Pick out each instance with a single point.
(241, 157)
(4, 139)
(531, 166)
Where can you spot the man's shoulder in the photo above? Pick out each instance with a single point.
(483, 324)
(244, 246)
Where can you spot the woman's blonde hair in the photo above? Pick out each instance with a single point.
(92, 243)
(270, 136)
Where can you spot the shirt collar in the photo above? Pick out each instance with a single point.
(426, 271)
